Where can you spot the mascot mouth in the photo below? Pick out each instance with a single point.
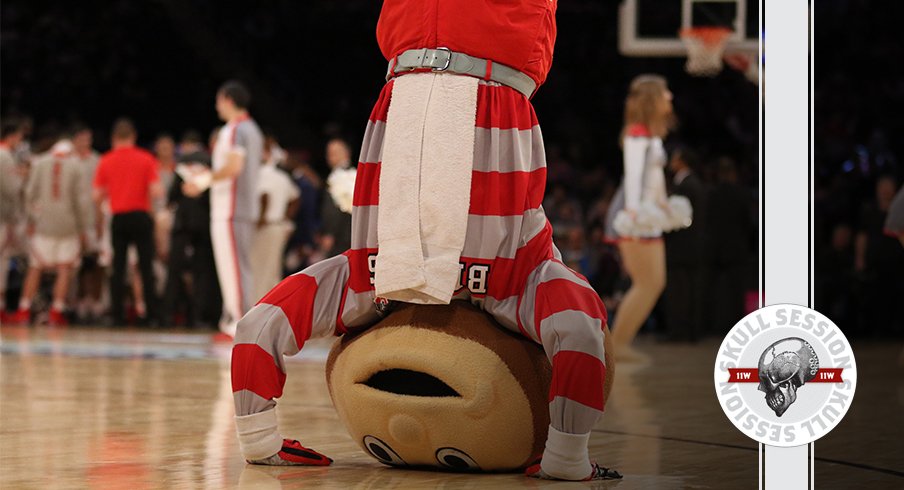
(409, 383)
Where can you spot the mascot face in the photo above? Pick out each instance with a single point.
(442, 386)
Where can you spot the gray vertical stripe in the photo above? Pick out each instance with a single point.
(243, 232)
(372, 146)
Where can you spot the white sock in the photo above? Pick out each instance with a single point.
(58, 305)
(24, 304)
(566, 456)
(258, 436)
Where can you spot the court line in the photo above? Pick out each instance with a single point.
(746, 448)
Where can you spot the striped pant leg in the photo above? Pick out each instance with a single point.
(231, 242)
(561, 311)
(303, 306)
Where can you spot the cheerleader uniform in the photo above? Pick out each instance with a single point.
(642, 192)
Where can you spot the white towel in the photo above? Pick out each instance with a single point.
(425, 187)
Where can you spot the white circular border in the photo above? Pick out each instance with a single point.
(720, 376)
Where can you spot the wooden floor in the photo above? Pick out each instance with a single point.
(92, 408)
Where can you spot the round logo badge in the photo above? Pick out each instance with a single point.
(785, 375)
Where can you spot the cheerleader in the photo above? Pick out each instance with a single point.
(640, 210)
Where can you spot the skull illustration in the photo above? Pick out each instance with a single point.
(784, 367)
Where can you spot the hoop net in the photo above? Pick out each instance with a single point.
(704, 49)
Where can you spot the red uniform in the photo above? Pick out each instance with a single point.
(519, 34)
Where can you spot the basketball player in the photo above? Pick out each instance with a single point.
(451, 177)
(11, 134)
(91, 274)
(233, 201)
(57, 207)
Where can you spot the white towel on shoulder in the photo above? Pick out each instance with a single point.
(425, 187)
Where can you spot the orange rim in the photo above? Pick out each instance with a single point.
(709, 35)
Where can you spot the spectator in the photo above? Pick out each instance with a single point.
(337, 224)
(894, 222)
(834, 276)
(127, 176)
(307, 219)
(191, 249)
(879, 262)
(273, 153)
(233, 201)
(11, 134)
(165, 152)
(279, 198)
(728, 225)
(57, 209)
(684, 292)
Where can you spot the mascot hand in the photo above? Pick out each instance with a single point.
(294, 454)
(597, 473)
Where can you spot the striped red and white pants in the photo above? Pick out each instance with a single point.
(510, 268)
(231, 241)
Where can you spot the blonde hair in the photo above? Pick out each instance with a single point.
(642, 105)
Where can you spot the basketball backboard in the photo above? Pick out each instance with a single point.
(651, 27)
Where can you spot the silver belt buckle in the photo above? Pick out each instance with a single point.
(448, 58)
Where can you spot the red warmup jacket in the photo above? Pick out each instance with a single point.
(517, 33)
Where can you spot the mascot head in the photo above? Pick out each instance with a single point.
(442, 386)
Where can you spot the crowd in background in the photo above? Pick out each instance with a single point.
(184, 286)
(859, 98)
(306, 225)
(858, 101)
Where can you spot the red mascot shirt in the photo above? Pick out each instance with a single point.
(517, 33)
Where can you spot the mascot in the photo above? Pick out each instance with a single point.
(446, 208)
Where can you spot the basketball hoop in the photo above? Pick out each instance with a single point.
(745, 63)
(704, 49)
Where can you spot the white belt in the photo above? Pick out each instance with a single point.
(446, 60)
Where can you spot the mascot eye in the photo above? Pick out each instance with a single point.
(408, 382)
(382, 451)
(455, 459)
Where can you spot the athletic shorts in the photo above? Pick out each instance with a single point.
(51, 251)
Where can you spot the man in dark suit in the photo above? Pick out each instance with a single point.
(191, 249)
(730, 227)
(685, 269)
(337, 224)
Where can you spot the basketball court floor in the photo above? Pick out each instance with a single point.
(94, 408)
